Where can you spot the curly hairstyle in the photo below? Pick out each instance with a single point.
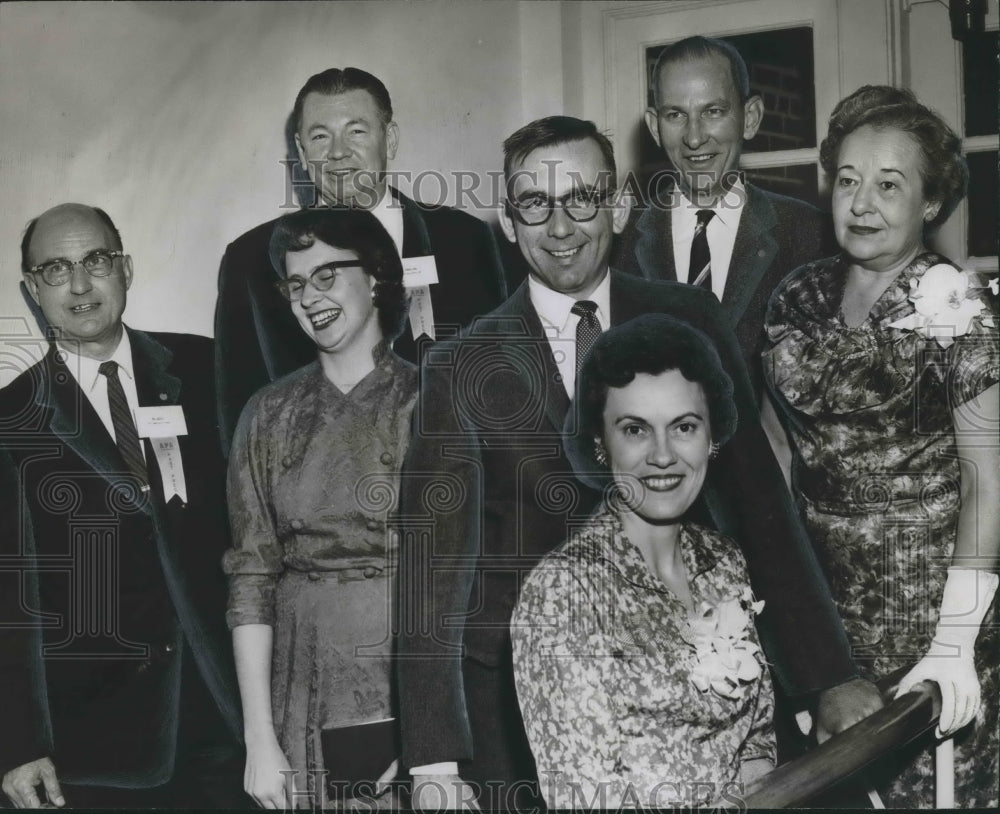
(653, 344)
(943, 170)
(357, 230)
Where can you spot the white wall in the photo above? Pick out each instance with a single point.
(170, 116)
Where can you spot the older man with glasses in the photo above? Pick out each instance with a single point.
(118, 681)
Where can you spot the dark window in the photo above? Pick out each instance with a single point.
(980, 79)
(798, 181)
(984, 204)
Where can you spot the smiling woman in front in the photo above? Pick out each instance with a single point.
(637, 663)
(313, 472)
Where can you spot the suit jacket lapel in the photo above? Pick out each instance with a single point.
(75, 421)
(416, 238)
(753, 253)
(519, 307)
(154, 383)
(654, 248)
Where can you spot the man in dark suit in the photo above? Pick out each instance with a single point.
(345, 136)
(752, 238)
(487, 489)
(119, 688)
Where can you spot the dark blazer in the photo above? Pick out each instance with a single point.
(487, 491)
(108, 595)
(776, 235)
(257, 340)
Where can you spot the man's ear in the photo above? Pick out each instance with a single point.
(652, 117)
(753, 115)
(391, 139)
(621, 209)
(127, 270)
(507, 224)
(31, 284)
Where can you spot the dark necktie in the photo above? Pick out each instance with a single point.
(700, 270)
(587, 330)
(126, 435)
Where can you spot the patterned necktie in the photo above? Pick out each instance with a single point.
(587, 329)
(126, 435)
(700, 269)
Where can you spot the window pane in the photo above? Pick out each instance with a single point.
(797, 182)
(980, 77)
(983, 204)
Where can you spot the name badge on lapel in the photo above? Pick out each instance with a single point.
(162, 426)
(419, 274)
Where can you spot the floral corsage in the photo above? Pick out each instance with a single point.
(725, 654)
(945, 304)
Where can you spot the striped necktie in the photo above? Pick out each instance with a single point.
(700, 269)
(587, 329)
(126, 435)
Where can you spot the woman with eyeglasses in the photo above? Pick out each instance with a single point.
(313, 474)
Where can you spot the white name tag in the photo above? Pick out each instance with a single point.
(421, 312)
(160, 422)
(168, 456)
(419, 271)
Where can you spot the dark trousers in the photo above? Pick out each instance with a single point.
(502, 768)
(208, 767)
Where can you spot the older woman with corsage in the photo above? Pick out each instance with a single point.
(313, 474)
(883, 364)
(637, 664)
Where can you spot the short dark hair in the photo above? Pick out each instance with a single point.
(29, 231)
(653, 344)
(357, 230)
(943, 170)
(551, 131)
(333, 81)
(699, 47)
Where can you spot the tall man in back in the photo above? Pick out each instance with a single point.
(487, 489)
(118, 683)
(345, 136)
(711, 228)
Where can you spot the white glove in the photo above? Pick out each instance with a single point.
(968, 594)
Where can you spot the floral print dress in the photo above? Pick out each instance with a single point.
(868, 412)
(608, 682)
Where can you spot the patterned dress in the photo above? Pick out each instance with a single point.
(313, 477)
(603, 676)
(868, 411)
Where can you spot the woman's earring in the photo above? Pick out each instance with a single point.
(713, 451)
(600, 453)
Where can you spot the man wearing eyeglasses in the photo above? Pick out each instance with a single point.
(119, 688)
(488, 489)
(345, 136)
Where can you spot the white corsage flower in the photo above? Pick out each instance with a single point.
(720, 635)
(944, 309)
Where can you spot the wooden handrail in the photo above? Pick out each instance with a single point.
(896, 724)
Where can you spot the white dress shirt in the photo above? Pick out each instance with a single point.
(95, 385)
(559, 323)
(721, 232)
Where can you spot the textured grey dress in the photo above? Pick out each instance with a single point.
(313, 478)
